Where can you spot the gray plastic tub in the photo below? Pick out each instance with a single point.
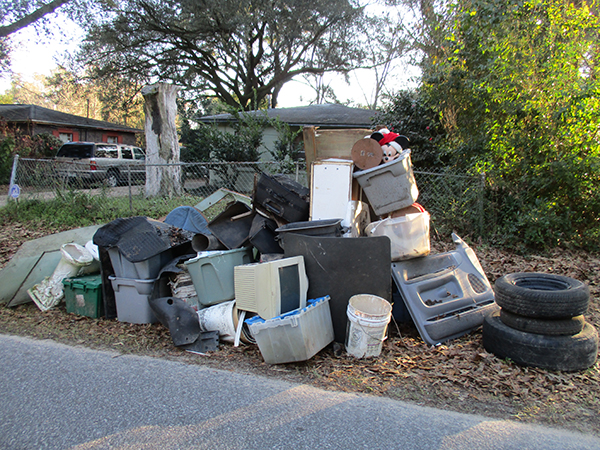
(390, 186)
(213, 275)
(131, 298)
(295, 336)
(147, 269)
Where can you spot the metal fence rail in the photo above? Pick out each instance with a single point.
(455, 201)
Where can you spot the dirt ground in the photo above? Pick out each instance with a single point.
(459, 375)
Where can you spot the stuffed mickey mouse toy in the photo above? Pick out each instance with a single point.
(391, 143)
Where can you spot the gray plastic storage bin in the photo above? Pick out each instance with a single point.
(390, 186)
(295, 336)
(147, 269)
(212, 274)
(131, 298)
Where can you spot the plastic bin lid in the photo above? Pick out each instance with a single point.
(309, 304)
(140, 238)
(88, 281)
(188, 218)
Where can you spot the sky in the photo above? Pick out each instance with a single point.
(37, 54)
(33, 55)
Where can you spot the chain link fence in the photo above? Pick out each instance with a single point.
(44, 179)
(455, 201)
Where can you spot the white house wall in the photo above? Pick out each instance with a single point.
(270, 136)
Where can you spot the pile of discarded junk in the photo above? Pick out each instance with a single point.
(291, 269)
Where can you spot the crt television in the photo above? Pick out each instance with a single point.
(271, 288)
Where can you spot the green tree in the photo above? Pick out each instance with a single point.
(13, 141)
(408, 113)
(28, 92)
(240, 51)
(15, 15)
(116, 99)
(207, 143)
(384, 40)
(517, 89)
(6, 98)
(288, 148)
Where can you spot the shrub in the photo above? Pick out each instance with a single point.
(14, 141)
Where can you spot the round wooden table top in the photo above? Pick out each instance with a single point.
(367, 153)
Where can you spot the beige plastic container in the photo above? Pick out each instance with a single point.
(409, 235)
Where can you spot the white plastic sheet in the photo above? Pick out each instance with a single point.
(409, 234)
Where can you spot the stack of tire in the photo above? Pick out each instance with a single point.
(540, 322)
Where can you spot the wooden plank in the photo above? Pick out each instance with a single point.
(310, 147)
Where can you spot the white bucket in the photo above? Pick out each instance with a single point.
(368, 318)
(223, 317)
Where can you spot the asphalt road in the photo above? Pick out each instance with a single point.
(57, 397)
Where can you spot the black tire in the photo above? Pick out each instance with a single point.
(550, 327)
(112, 179)
(562, 353)
(542, 295)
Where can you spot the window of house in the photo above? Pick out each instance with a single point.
(112, 139)
(65, 137)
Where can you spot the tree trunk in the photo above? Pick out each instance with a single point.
(162, 144)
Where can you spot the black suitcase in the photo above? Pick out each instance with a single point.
(283, 197)
(263, 237)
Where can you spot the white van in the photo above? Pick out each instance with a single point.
(92, 162)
